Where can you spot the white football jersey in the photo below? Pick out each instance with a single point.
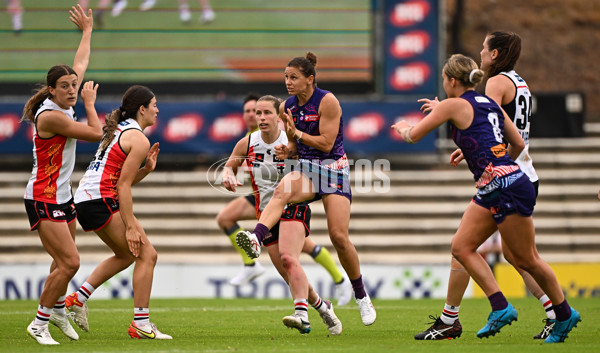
(265, 169)
(53, 162)
(519, 110)
(101, 177)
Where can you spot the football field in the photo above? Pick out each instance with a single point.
(253, 325)
(247, 41)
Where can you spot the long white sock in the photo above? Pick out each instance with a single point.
(141, 316)
(449, 314)
(43, 315)
(84, 293)
(319, 305)
(547, 304)
(59, 307)
(301, 308)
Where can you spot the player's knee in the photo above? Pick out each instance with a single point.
(149, 257)
(153, 256)
(458, 252)
(340, 241)
(524, 264)
(71, 265)
(224, 221)
(281, 194)
(288, 261)
(510, 260)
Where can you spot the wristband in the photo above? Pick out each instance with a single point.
(300, 137)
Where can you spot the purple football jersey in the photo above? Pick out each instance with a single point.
(483, 142)
(306, 119)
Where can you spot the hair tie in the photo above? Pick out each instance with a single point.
(123, 112)
(471, 75)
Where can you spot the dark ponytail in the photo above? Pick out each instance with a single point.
(133, 99)
(508, 45)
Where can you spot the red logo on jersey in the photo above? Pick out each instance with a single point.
(364, 126)
(184, 127)
(410, 12)
(9, 124)
(412, 118)
(410, 76)
(227, 127)
(410, 44)
(311, 117)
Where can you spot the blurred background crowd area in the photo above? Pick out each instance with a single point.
(244, 45)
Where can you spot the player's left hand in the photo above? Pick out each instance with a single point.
(288, 122)
(151, 157)
(456, 157)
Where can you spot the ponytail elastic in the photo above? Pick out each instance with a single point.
(471, 75)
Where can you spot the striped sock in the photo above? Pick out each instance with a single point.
(84, 293)
(449, 314)
(547, 304)
(319, 305)
(141, 316)
(59, 307)
(301, 308)
(43, 315)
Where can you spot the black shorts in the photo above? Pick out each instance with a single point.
(251, 199)
(95, 214)
(39, 211)
(298, 213)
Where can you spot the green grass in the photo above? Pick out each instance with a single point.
(155, 45)
(252, 325)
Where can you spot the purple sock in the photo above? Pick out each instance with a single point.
(498, 301)
(261, 231)
(562, 310)
(359, 288)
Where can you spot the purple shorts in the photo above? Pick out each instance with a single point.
(517, 198)
(326, 180)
